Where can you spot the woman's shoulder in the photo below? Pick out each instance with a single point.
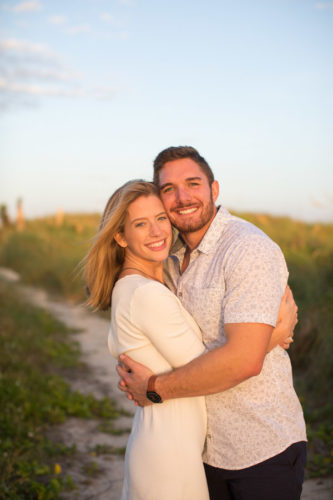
(136, 285)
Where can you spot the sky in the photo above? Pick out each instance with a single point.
(92, 90)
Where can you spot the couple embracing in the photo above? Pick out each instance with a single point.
(201, 323)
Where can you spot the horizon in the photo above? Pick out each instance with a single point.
(239, 213)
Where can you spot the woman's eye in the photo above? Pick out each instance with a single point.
(139, 224)
(162, 217)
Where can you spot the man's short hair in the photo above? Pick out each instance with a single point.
(178, 153)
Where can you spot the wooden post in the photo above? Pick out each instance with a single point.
(20, 215)
(59, 217)
(4, 216)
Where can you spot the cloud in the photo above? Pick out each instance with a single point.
(57, 19)
(38, 90)
(25, 48)
(106, 17)
(77, 30)
(32, 6)
(324, 5)
(30, 71)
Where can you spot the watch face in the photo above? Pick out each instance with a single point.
(154, 397)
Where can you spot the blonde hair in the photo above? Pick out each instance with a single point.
(105, 258)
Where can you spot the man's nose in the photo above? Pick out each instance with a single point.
(182, 195)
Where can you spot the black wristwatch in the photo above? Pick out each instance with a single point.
(151, 393)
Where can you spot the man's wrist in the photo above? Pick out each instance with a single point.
(162, 385)
(152, 393)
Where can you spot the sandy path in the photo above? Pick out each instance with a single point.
(102, 381)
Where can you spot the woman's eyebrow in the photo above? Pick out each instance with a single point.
(145, 218)
(138, 218)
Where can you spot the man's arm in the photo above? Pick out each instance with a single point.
(237, 360)
(215, 371)
(206, 374)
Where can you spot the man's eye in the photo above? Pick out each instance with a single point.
(194, 183)
(166, 189)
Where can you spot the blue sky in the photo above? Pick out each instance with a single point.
(92, 90)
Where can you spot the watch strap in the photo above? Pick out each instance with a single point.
(151, 393)
(151, 383)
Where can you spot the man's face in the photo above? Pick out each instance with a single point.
(187, 196)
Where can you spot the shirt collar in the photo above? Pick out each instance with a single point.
(211, 237)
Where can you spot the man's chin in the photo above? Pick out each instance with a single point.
(188, 226)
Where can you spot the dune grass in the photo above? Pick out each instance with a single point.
(49, 256)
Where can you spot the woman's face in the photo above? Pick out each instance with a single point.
(147, 234)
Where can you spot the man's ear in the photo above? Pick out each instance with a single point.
(120, 239)
(215, 190)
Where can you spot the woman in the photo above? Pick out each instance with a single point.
(163, 455)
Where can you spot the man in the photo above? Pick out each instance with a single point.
(230, 276)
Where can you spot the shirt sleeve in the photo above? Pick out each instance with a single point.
(256, 276)
(159, 315)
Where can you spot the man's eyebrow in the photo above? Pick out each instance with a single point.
(164, 185)
(188, 179)
(194, 179)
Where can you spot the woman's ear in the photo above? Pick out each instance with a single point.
(120, 239)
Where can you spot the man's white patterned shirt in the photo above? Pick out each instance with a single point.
(237, 274)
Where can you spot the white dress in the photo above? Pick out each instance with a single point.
(163, 455)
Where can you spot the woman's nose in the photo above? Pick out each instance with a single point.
(155, 229)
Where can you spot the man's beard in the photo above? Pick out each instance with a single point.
(195, 225)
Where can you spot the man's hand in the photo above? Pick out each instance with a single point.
(134, 379)
(287, 319)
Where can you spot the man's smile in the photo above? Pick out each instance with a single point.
(185, 210)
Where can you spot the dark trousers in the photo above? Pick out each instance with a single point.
(278, 478)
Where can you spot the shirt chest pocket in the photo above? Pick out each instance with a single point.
(205, 305)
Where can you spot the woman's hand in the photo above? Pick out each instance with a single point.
(287, 319)
(133, 379)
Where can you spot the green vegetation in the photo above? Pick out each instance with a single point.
(35, 350)
(47, 255)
